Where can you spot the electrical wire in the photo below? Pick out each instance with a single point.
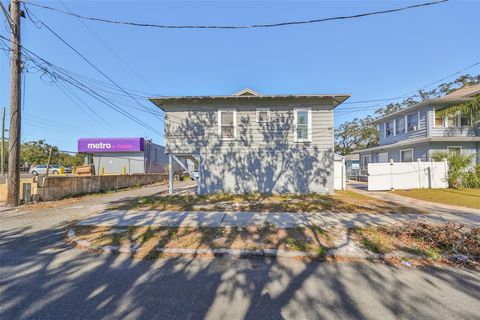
(253, 26)
(88, 61)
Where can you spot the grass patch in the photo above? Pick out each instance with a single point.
(341, 201)
(267, 236)
(469, 198)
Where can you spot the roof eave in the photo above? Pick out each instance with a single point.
(160, 101)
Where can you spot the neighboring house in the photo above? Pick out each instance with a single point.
(249, 142)
(417, 132)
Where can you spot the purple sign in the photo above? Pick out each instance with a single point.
(93, 145)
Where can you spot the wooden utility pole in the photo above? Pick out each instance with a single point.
(3, 142)
(48, 162)
(13, 181)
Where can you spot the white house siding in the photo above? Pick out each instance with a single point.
(263, 157)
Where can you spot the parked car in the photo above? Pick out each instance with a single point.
(53, 169)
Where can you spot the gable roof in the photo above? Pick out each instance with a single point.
(458, 96)
(247, 92)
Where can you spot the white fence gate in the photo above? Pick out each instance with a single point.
(339, 175)
(407, 175)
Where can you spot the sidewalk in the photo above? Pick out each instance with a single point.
(426, 206)
(214, 219)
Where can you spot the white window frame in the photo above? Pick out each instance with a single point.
(456, 147)
(445, 121)
(444, 124)
(309, 128)
(404, 125)
(413, 154)
(418, 122)
(219, 120)
(258, 110)
(393, 134)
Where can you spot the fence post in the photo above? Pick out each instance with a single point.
(445, 165)
(391, 175)
(419, 174)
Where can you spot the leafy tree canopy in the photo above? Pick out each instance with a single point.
(36, 152)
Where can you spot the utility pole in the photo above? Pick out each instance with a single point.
(13, 180)
(3, 142)
(48, 161)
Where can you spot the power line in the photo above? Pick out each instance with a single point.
(58, 74)
(88, 61)
(270, 25)
(109, 48)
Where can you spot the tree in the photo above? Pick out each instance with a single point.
(35, 152)
(356, 134)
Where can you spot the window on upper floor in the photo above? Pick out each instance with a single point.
(458, 120)
(303, 125)
(439, 120)
(389, 128)
(412, 122)
(226, 124)
(400, 125)
(263, 115)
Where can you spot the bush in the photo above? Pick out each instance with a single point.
(461, 173)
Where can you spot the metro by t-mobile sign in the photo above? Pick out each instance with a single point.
(99, 145)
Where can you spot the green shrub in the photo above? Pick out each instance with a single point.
(460, 171)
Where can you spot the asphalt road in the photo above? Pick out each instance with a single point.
(42, 277)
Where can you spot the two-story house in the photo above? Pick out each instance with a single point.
(250, 142)
(418, 131)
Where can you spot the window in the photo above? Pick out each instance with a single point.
(263, 114)
(438, 119)
(454, 150)
(412, 122)
(465, 120)
(452, 121)
(406, 155)
(226, 124)
(400, 125)
(389, 128)
(303, 125)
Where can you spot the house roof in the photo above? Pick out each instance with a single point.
(249, 94)
(461, 95)
(408, 142)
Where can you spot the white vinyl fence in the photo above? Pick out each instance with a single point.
(407, 175)
(339, 175)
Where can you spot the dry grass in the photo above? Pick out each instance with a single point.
(342, 201)
(431, 240)
(308, 239)
(469, 198)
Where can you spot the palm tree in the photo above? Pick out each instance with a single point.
(471, 108)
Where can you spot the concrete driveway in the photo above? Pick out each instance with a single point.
(42, 277)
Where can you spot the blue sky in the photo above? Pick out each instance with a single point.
(370, 58)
